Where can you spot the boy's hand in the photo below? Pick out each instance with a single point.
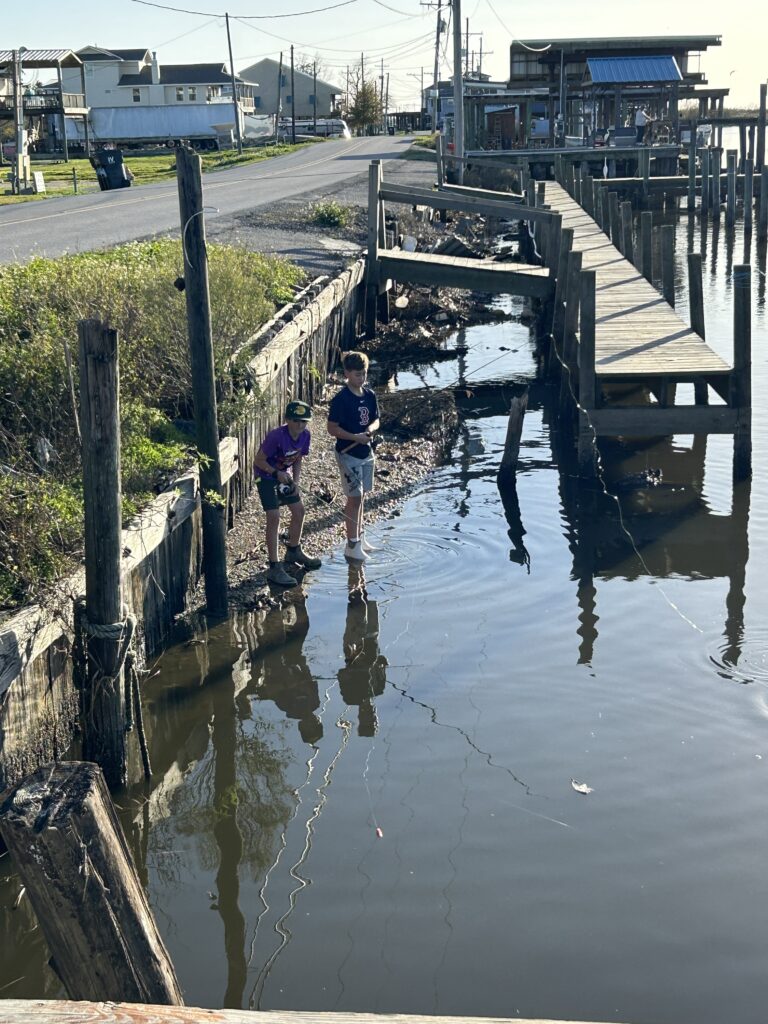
(364, 437)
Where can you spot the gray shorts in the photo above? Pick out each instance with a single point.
(356, 474)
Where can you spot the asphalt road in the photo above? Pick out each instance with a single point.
(50, 227)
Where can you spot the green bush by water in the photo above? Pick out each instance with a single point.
(130, 288)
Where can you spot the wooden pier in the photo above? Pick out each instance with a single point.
(624, 339)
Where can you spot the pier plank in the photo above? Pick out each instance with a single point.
(461, 272)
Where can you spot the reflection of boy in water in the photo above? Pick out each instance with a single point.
(287, 679)
(364, 675)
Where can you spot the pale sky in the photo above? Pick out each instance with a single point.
(400, 31)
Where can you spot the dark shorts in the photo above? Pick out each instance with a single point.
(271, 498)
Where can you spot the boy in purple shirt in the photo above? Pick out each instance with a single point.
(278, 465)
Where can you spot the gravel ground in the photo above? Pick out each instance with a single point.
(285, 228)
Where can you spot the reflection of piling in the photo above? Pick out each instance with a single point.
(741, 388)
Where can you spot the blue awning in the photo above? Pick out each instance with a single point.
(633, 70)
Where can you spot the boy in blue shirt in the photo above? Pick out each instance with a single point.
(278, 465)
(353, 419)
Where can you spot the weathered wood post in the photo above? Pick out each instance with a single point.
(668, 262)
(742, 147)
(762, 215)
(569, 382)
(645, 166)
(605, 210)
(613, 202)
(553, 243)
(717, 182)
(558, 313)
(760, 155)
(66, 842)
(692, 168)
(741, 378)
(439, 159)
(597, 205)
(749, 189)
(587, 379)
(372, 266)
(541, 193)
(530, 193)
(107, 637)
(587, 195)
(508, 465)
(576, 185)
(706, 166)
(730, 201)
(696, 309)
(627, 246)
(214, 511)
(646, 235)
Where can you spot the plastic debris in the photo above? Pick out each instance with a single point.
(581, 787)
(379, 832)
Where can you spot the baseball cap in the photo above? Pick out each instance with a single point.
(298, 411)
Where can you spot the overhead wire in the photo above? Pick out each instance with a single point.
(241, 17)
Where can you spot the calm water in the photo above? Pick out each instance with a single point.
(493, 652)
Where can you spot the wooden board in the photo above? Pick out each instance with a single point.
(461, 272)
(21, 1011)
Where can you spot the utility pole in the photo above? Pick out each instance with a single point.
(214, 509)
(347, 103)
(466, 50)
(314, 99)
(386, 107)
(381, 92)
(436, 97)
(458, 94)
(279, 98)
(293, 102)
(480, 66)
(235, 103)
(20, 163)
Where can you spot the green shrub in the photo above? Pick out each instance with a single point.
(331, 214)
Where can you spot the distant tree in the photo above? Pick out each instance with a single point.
(306, 62)
(365, 107)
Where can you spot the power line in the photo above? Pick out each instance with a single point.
(395, 10)
(243, 17)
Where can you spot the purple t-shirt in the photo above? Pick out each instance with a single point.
(282, 451)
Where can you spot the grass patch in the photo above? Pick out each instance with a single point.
(147, 170)
(131, 288)
(331, 214)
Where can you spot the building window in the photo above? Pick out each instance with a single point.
(283, 80)
(256, 102)
(179, 93)
(311, 97)
(289, 99)
(137, 95)
(192, 93)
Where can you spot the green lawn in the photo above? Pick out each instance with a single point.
(146, 169)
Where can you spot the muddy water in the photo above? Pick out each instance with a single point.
(496, 648)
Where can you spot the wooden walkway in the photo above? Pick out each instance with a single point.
(627, 350)
(638, 335)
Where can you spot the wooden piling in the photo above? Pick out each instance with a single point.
(627, 246)
(587, 195)
(692, 168)
(717, 183)
(569, 383)
(508, 465)
(70, 852)
(762, 216)
(730, 203)
(615, 214)
(372, 265)
(760, 155)
(644, 160)
(106, 635)
(749, 189)
(597, 204)
(577, 188)
(439, 159)
(706, 165)
(668, 262)
(605, 210)
(587, 378)
(696, 309)
(558, 313)
(646, 236)
(214, 511)
(741, 379)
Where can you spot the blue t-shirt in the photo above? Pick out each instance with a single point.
(353, 413)
(282, 451)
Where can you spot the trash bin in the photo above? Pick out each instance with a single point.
(391, 129)
(110, 169)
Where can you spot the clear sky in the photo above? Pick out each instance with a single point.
(400, 31)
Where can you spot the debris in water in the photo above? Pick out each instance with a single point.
(581, 787)
(379, 832)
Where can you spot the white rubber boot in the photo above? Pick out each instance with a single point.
(354, 550)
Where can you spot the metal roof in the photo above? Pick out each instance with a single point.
(183, 74)
(580, 44)
(96, 53)
(43, 58)
(632, 70)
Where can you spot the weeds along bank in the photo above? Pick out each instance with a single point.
(260, 358)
